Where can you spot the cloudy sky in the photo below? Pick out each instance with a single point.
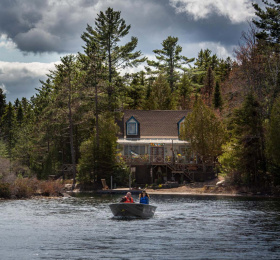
(34, 34)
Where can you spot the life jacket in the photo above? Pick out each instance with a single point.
(144, 200)
(127, 200)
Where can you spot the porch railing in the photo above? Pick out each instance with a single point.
(149, 159)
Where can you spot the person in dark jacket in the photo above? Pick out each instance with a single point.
(144, 197)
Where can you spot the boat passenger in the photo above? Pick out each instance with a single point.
(144, 197)
(127, 198)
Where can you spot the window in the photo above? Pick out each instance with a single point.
(181, 125)
(134, 149)
(132, 127)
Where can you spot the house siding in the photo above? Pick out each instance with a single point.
(164, 157)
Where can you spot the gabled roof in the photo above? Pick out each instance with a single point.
(155, 123)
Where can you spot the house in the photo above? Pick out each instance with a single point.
(149, 142)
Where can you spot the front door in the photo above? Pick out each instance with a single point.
(157, 154)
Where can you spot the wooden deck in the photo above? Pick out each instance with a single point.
(177, 166)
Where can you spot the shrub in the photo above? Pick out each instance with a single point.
(27, 187)
(51, 188)
(24, 187)
(5, 191)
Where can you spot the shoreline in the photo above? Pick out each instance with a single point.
(209, 194)
(181, 191)
(214, 187)
(162, 192)
(207, 188)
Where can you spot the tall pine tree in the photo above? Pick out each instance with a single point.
(268, 22)
(109, 29)
(169, 59)
(2, 102)
(217, 100)
(209, 84)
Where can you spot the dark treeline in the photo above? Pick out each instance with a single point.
(71, 120)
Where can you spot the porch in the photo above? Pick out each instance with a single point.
(157, 169)
(162, 160)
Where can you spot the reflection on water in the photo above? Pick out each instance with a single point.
(184, 227)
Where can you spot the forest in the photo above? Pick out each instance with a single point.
(70, 122)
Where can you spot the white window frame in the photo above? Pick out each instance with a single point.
(180, 125)
(132, 121)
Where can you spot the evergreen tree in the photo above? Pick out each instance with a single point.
(16, 105)
(28, 112)
(135, 92)
(268, 22)
(94, 71)
(247, 125)
(217, 100)
(223, 70)
(273, 142)
(209, 83)
(57, 120)
(108, 31)
(7, 127)
(273, 134)
(98, 161)
(169, 59)
(206, 60)
(184, 91)
(160, 95)
(202, 61)
(19, 115)
(7, 121)
(2, 102)
(142, 78)
(67, 82)
(97, 155)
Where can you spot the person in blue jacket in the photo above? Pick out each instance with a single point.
(144, 197)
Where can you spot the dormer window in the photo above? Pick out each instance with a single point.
(181, 125)
(132, 126)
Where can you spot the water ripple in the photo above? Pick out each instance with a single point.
(184, 227)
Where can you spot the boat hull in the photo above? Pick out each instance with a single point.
(132, 210)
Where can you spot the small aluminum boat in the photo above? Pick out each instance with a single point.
(133, 210)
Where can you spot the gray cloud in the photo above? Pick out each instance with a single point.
(235, 11)
(45, 26)
(56, 26)
(36, 40)
(20, 79)
(154, 21)
(18, 16)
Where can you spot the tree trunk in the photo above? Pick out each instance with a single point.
(203, 165)
(70, 120)
(110, 91)
(96, 115)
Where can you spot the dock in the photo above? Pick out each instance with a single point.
(119, 191)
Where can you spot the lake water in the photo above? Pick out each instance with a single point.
(184, 227)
